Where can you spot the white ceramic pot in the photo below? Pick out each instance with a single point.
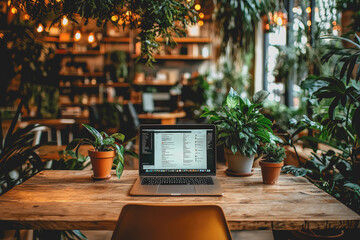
(238, 163)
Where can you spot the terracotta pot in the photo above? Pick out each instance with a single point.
(101, 162)
(238, 163)
(270, 171)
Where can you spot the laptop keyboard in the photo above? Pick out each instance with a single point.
(177, 181)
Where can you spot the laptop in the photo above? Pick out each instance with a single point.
(177, 160)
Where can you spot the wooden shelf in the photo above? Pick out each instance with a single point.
(80, 53)
(116, 40)
(189, 40)
(117, 84)
(155, 83)
(94, 74)
(178, 57)
(104, 40)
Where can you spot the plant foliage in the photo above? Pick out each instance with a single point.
(337, 126)
(18, 160)
(166, 18)
(236, 21)
(333, 173)
(103, 142)
(241, 126)
(272, 153)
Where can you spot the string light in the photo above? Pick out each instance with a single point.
(334, 23)
(1, 35)
(58, 0)
(40, 28)
(201, 23)
(26, 17)
(13, 10)
(9, 3)
(77, 36)
(64, 21)
(91, 38)
(188, 1)
(308, 23)
(114, 18)
(308, 9)
(197, 7)
(201, 15)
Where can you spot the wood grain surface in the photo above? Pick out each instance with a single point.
(72, 200)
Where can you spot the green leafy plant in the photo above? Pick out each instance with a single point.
(337, 126)
(272, 153)
(333, 173)
(166, 19)
(69, 160)
(103, 142)
(241, 126)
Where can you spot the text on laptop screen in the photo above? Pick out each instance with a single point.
(177, 150)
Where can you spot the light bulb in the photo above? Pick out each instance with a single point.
(40, 28)
(201, 23)
(77, 35)
(13, 10)
(201, 15)
(91, 38)
(197, 7)
(64, 21)
(26, 16)
(114, 18)
(308, 10)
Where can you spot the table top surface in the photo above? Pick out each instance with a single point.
(162, 115)
(72, 200)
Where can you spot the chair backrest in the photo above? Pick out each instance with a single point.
(175, 222)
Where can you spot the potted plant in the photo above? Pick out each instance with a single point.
(106, 152)
(272, 162)
(241, 129)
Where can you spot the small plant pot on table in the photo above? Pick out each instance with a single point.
(101, 162)
(270, 171)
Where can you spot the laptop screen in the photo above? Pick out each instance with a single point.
(177, 150)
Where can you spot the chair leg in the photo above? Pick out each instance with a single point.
(58, 137)
(37, 138)
(49, 134)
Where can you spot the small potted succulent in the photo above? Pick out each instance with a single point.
(241, 129)
(272, 162)
(106, 152)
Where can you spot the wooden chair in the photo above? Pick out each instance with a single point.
(176, 222)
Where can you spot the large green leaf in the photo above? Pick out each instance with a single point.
(232, 99)
(356, 122)
(260, 96)
(95, 133)
(118, 136)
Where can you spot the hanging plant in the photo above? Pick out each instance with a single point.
(236, 21)
(166, 18)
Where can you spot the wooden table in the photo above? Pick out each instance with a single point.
(58, 124)
(71, 200)
(51, 152)
(166, 118)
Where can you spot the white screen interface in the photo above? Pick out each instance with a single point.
(176, 150)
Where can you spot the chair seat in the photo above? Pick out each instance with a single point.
(176, 222)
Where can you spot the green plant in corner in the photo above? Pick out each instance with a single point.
(103, 142)
(241, 126)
